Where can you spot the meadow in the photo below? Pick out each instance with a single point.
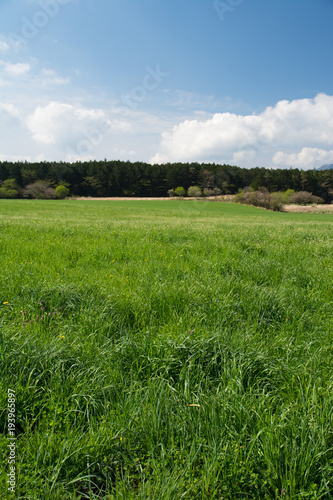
(166, 350)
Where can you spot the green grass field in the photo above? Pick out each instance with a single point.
(166, 350)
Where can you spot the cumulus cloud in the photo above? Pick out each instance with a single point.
(55, 130)
(15, 70)
(305, 158)
(276, 134)
(13, 134)
(60, 123)
(73, 131)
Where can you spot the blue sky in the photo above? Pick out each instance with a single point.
(246, 82)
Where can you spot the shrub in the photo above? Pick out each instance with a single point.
(277, 200)
(39, 190)
(288, 194)
(243, 195)
(317, 199)
(9, 189)
(240, 196)
(61, 192)
(301, 198)
(258, 198)
(194, 191)
(261, 198)
(208, 192)
(171, 193)
(180, 191)
(212, 192)
(304, 197)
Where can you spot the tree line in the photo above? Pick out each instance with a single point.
(125, 178)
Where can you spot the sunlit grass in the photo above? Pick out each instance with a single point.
(167, 350)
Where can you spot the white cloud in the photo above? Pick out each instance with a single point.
(60, 123)
(14, 140)
(305, 158)
(10, 123)
(4, 46)
(36, 122)
(9, 109)
(75, 132)
(28, 73)
(49, 77)
(15, 70)
(252, 139)
(39, 129)
(246, 156)
(185, 100)
(13, 42)
(14, 158)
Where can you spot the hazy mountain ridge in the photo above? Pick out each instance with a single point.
(326, 167)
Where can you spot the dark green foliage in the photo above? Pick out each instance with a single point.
(120, 178)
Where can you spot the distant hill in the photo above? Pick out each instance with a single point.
(325, 167)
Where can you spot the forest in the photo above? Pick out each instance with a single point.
(139, 179)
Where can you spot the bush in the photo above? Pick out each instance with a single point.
(212, 192)
(171, 193)
(304, 197)
(288, 194)
(277, 200)
(317, 199)
(243, 195)
(208, 192)
(217, 191)
(261, 198)
(39, 190)
(180, 191)
(61, 192)
(194, 191)
(9, 189)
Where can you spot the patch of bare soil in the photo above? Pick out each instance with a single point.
(309, 209)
